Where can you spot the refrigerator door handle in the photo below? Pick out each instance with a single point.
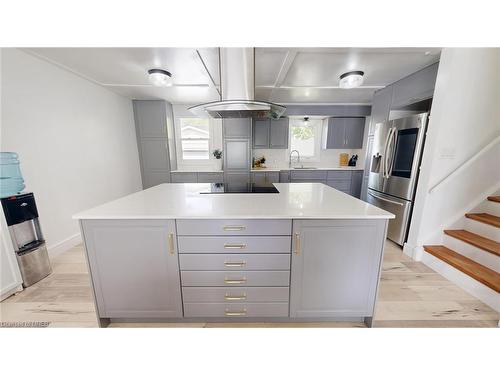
(384, 156)
(384, 199)
(392, 151)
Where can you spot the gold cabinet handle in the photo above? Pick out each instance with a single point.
(236, 313)
(235, 264)
(297, 243)
(237, 281)
(234, 246)
(229, 297)
(233, 228)
(171, 243)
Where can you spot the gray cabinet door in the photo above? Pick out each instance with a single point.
(335, 267)
(211, 177)
(134, 268)
(380, 107)
(150, 117)
(237, 154)
(154, 154)
(336, 133)
(184, 177)
(258, 177)
(155, 178)
(416, 87)
(278, 133)
(261, 133)
(356, 181)
(237, 179)
(284, 176)
(354, 132)
(237, 127)
(272, 177)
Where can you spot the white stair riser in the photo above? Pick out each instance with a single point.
(467, 283)
(472, 252)
(482, 229)
(488, 207)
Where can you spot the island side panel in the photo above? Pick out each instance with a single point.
(335, 267)
(134, 268)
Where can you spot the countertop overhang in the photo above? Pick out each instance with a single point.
(184, 201)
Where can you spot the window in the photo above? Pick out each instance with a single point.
(194, 138)
(305, 137)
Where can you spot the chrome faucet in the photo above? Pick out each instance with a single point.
(290, 160)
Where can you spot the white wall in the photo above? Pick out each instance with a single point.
(465, 118)
(76, 141)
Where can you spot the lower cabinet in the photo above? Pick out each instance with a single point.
(134, 268)
(265, 177)
(335, 267)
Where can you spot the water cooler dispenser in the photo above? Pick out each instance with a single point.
(21, 215)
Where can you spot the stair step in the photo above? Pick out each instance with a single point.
(475, 270)
(485, 218)
(494, 198)
(475, 240)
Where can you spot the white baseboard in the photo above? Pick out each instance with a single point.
(64, 245)
(463, 281)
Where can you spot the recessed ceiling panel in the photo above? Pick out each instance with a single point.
(267, 65)
(381, 67)
(124, 70)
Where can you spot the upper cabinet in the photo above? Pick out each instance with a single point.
(155, 155)
(150, 117)
(261, 133)
(345, 132)
(270, 133)
(416, 87)
(236, 127)
(381, 107)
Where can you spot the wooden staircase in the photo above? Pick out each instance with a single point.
(473, 254)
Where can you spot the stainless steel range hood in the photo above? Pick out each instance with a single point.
(238, 89)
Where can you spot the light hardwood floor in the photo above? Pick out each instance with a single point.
(410, 295)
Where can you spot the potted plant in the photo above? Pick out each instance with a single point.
(217, 153)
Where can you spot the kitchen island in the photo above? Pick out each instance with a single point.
(175, 253)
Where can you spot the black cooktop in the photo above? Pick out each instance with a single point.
(242, 188)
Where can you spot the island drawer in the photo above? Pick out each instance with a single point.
(235, 278)
(235, 310)
(235, 294)
(237, 245)
(231, 227)
(219, 262)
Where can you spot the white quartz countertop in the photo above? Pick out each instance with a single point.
(184, 201)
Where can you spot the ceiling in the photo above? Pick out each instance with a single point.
(282, 75)
(195, 72)
(311, 75)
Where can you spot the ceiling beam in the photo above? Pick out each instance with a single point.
(285, 67)
(211, 80)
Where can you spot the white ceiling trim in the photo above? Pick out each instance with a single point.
(319, 87)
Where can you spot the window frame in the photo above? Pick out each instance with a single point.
(178, 143)
(318, 136)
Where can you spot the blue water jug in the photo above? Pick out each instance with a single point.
(11, 180)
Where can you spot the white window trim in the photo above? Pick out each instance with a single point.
(178, 145)
(318, 135)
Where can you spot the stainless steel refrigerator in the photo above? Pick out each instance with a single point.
(395, 161)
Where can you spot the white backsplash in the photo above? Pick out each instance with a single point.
(328, 158)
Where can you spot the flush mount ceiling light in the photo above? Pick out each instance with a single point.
(352, 79)
(160, 77)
